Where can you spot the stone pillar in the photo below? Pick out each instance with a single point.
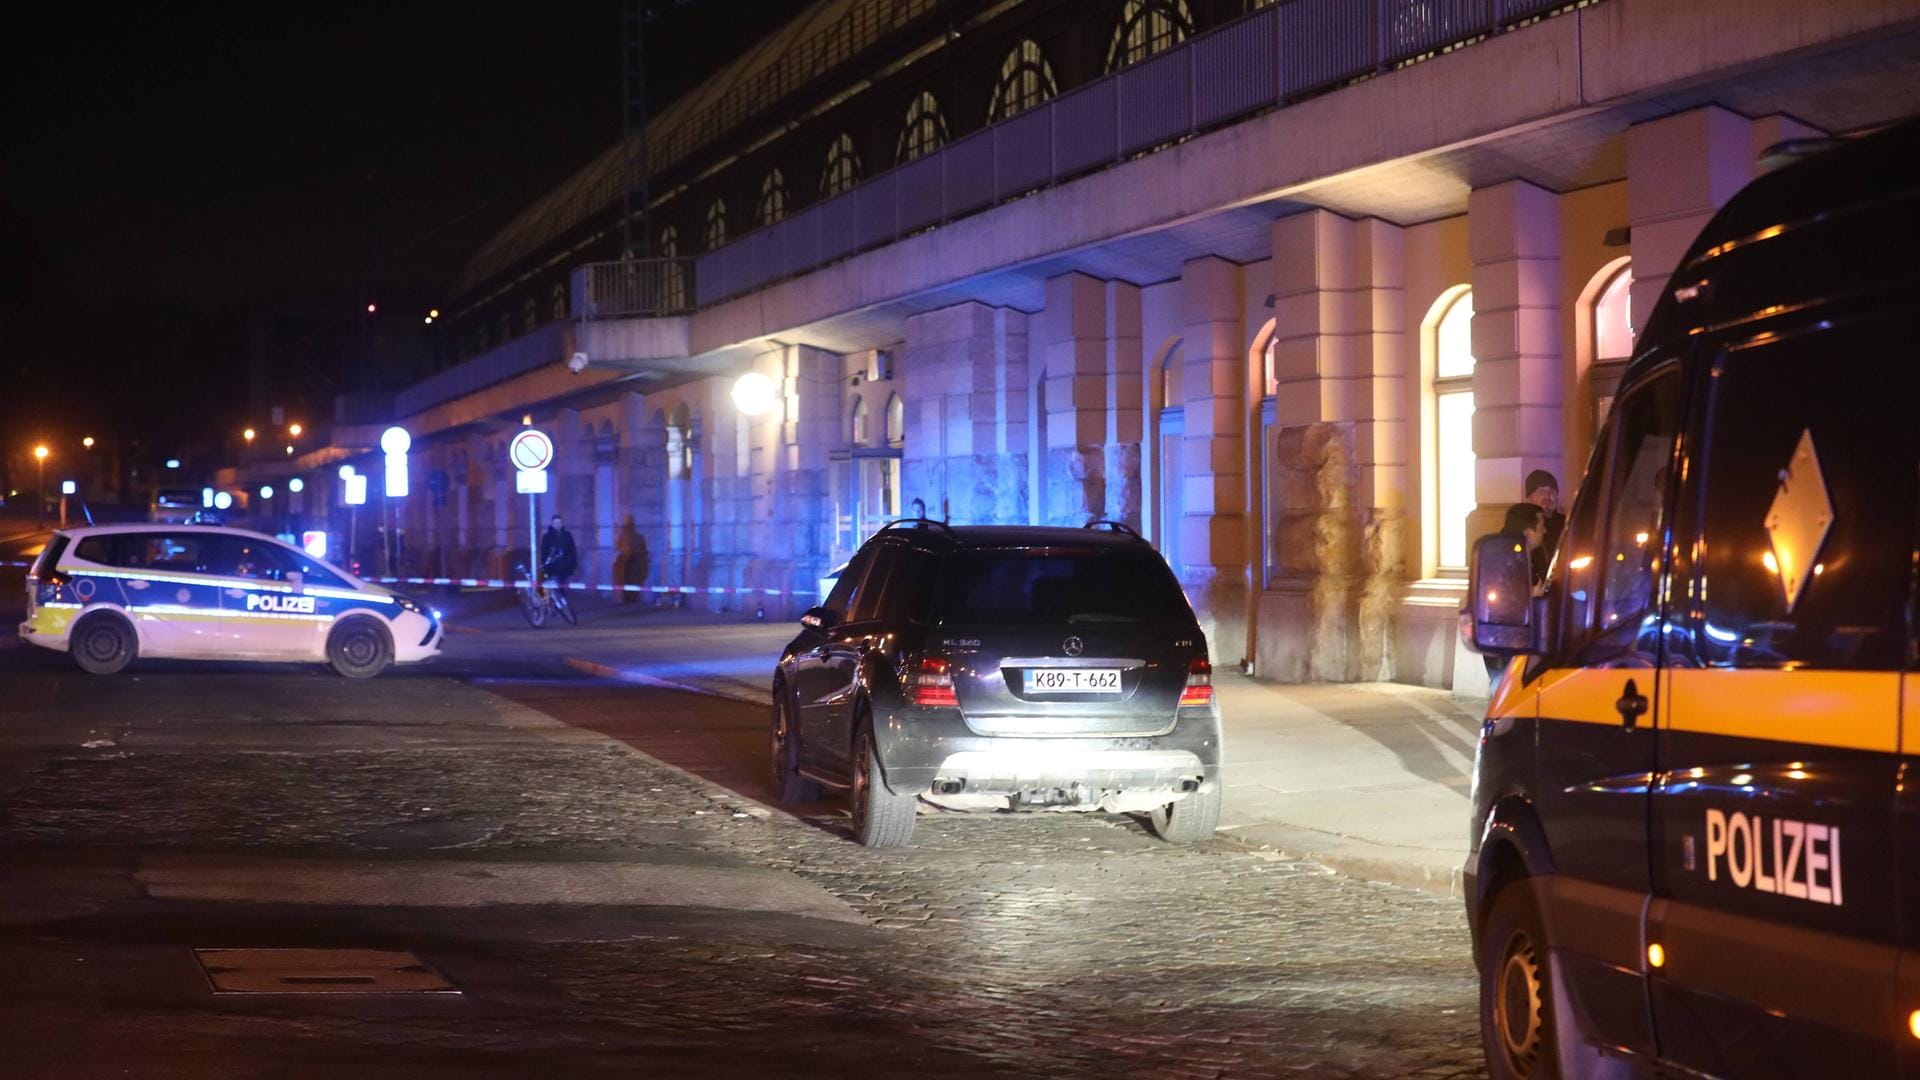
(1680, 169)
(1322, 368)
(1004, 368)
(797, 527)
(1513, 237)
(1213, 539)
(1123, 415)
(1074, 330)
(1381, 443)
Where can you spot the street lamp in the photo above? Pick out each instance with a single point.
(753, 393)
(87, 442)
(40, 492)
(248, 435)
(294, 430)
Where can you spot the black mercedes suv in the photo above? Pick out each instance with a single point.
(1001, 667)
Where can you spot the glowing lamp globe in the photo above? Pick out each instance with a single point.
(753, 393)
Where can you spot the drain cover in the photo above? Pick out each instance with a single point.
(319, 971)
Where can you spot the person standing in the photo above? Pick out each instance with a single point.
(1543, 491)
(558, 556)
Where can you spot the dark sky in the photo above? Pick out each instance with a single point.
(164, 164)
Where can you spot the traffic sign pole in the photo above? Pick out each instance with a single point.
(531, 451)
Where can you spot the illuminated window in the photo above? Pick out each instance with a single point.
(1613, 318)
(896, 421)
(1147, 27)
(716, 224)
(1612, 339)
(925, 131)
(1452, 470)
(860, 425)
(1026, 80)
(773, 198)
(843, 167)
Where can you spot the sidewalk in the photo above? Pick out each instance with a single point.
(1370, 780)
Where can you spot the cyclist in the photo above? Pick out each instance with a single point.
(558, 556)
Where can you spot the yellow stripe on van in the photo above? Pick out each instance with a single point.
(1588, 695)
(1852, 710)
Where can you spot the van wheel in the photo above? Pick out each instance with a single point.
(788, 785)
(359, 648)
(1190, 820)
(102, 644)
(1527, 1025)
(881, 818)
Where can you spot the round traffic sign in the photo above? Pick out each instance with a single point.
(530, 450)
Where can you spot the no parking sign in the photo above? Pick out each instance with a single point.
(530, 451)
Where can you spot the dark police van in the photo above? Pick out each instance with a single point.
(1695, 795)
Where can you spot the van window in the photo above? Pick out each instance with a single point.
(1609, 556)
(1850, 390)
(96, 549)
(1640, 478)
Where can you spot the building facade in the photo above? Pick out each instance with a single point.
(1300, 290)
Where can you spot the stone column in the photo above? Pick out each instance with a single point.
(1680, 169)
(1002, 372)
(1213, 541)
(798, 525)
(1513, 237)
(1074, 330)
(1381, 443)
(1123, 415)
(1322, 367)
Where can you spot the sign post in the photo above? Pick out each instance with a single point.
(530, 453)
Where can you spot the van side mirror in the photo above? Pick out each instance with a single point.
(819, 619)
(1500, 596)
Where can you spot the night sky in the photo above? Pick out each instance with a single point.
(165, 165)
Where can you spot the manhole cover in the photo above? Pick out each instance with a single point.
(319, 971)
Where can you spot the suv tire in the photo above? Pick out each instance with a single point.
(360, 648)
(1189, 820)
(103, 643)
(788, 785)
(881, 818)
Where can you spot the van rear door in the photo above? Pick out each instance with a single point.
(1777, 878)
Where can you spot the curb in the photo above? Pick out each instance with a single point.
(1355, 859)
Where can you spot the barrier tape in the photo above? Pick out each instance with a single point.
(498, 583)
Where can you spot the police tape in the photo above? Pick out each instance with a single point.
(499, 583)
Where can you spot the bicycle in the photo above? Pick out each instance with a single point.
(538, 602)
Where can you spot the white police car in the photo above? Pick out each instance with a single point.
(110, 593)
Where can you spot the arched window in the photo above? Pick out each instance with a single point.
(843, 167)
(896, 432)
(557, 307)
(1452, 445)
(673, 282)
(773, 198)
(716, 224)
(1613, 318)
(1147, 27)
(859, 424)
(925, 131)
(1612, 340)
(1026, 80)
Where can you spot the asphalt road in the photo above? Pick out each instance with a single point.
(515, 830)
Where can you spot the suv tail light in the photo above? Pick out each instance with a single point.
(930, 683)
(52, 578)
(1199, 689)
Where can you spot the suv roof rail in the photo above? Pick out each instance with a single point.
(1113, 526)
(915, 523)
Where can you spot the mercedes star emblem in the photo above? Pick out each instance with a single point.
(1073, 646)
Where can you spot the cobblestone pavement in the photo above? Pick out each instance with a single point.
(1034, 944)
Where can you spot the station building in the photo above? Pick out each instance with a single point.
(1301, 291)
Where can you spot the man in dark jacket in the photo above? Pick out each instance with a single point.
(1543, 491)
(558, 557)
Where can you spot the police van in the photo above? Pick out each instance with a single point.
(108, 594)
(1696, 816)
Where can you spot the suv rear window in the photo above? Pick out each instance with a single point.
(1056, 587)
(49, 556)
